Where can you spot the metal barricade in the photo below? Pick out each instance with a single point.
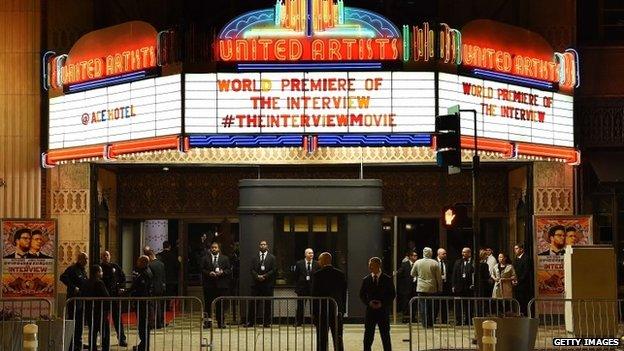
(446, 322)
(141, 323)
(16, 313)
(271, 323)
(568, 318)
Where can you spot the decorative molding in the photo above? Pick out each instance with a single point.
(295, 155)
(70, 201)
(554, 201)
(67, 251)
(601, 122)
(214, 190)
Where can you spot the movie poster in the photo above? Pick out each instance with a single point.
(552, 235)
(28, 259)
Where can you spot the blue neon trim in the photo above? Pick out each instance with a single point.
(513, 79)
(128, 77)
(296, 140)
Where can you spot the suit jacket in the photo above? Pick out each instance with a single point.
(303, 285)
(158, 277)
(268, 272)
(462, 283)
(405, 281)
(37, 255)
(428, 275)
(384, 291)
(221, 281)
(172, 265)
(14, 255)
(330, 282)
(447, 276)
(522, 266)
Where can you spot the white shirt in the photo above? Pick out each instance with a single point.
(376, 276)
(491, 262)
(443, 271)
(265, 255)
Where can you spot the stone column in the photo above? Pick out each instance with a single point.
(553, 188)
(70, 206)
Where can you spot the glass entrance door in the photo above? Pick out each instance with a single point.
(295, 233)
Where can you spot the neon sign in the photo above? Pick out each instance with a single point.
(105, 54)
(497, 47)
(309, 30)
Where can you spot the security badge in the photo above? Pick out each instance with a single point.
(262, 268)
(307, 277)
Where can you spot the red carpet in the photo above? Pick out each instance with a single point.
(131, 318)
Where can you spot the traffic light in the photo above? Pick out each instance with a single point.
(448, 141)
(454, 216)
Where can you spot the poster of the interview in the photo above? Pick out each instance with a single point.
(552, 235)
(28, 258)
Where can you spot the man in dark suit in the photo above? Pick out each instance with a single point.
(74, 277)
(522, 290)
(406, 285)
(158, 285)
(463, 286)
(216, 276)
(328, 281)
(377, 293)
(263, 276)
(304, 269)
(442, 306)
(169, 257)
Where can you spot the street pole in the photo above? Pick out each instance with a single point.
(476, 238)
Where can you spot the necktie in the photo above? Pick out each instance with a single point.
(309, 268)
(442, 267)
(262, 258)
(375, 280)
(214, 260)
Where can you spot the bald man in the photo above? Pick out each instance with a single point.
(303, 278)
(74, 278)
(329, 281)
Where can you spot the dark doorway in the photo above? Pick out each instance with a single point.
(416, 234)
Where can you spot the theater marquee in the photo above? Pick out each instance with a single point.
(310, 102)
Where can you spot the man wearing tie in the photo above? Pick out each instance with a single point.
(377, 293)
(216, 274)
(463, 286)
(263, 276)
(442, 308)
(304, 269)
(522, 290)
(406, 285)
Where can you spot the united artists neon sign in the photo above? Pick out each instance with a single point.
(497, 47)
(103, 55)
(309, 30)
